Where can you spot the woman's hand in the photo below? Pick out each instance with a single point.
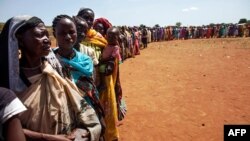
(36, 136)
(61, 137)
(81, 134)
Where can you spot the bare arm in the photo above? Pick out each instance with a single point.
(36, 136)
(13, 125)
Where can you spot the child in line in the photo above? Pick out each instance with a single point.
(111, 95)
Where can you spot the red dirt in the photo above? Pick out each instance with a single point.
(186, 90)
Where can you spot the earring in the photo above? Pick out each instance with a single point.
(19, 54)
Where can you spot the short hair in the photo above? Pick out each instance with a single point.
(58, 18)
(78, 18)
(82, 10)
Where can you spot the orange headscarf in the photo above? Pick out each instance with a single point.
(95, 38)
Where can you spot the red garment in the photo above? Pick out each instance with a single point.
(136, 44)
(209, 32)
(111, 51)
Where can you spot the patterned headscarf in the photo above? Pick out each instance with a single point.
(9, 61)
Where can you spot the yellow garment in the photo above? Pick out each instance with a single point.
(95, 38)
(108, 100)
(55, 106)
(95, 41)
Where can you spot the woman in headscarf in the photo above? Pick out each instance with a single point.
(55, 108)
(93, 39)
(101, 25)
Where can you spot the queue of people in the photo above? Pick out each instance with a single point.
(134, 38)
(199, 32)
(71, 92)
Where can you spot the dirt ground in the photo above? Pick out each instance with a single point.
(186, 90)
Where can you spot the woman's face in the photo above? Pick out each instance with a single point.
(99, 28)
(89, 16)
(35, 41)
(82, 29)
(65, 33)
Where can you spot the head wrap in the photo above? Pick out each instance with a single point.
(31, 23)
(9, 61)
(106, 24)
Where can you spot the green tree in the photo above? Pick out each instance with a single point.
(243, 20)
(157, 25)
(178, 24)
(211, 24)
(142, 25)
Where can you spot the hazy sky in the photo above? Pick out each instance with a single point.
(134, 12)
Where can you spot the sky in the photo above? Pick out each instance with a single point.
(134, 12)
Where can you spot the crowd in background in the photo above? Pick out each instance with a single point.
(197, 32)
(131, 37)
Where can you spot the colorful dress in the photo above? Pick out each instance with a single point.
(111, 95)
(80, 70)
(136, 43)
(97, 42)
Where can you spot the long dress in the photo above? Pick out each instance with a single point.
(111, 95)
(136, 43)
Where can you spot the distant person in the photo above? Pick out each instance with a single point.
(144, 37)
(10, 107)
(122, 41)
(136, 42)
(149, 36)
(55, 109)
(127, 41)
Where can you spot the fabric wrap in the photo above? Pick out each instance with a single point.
(57, 108)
